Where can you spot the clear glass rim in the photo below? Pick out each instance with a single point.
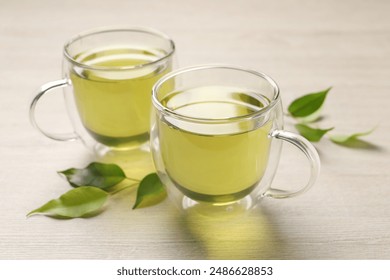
(167, 111)
(133, 29)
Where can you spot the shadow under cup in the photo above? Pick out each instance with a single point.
(108, 76)
(214, 137)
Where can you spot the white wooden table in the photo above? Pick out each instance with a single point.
(304, 45)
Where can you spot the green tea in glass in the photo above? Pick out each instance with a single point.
(108, 78)
(216, 137)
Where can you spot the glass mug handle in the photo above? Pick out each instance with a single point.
(47, 88)
(311, 154)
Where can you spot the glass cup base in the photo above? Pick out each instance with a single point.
(234, 208)
(101, 150)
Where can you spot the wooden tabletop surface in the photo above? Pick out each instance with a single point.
(306, 46)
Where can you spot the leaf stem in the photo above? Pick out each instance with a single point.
(133, 179)
(123, 188)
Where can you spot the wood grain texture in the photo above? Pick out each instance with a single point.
(304, 45)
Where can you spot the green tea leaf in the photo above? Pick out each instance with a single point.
(308, 105)
(311, 134)
(76, 203)
(150, 191)
(100, 175)
(349, 139)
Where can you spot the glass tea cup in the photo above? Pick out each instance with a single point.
(108, 76)
(216, 138)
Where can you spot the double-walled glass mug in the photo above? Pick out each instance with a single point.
(108, 76)
(216, 137)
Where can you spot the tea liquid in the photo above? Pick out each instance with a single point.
(220, 162)
(114, 101)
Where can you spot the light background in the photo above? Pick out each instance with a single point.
(304, 45)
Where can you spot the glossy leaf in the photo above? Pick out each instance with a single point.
(349, 139)
(311, 134)
(308, 105)
(100, 175)
(150, 191)
(76, 203)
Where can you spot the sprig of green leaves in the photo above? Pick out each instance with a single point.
(345, 139)
(307, 109)
(311, 134)
(150, 191)
(75, 203)
(96, 174)
(93, 185)
(352, 140)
